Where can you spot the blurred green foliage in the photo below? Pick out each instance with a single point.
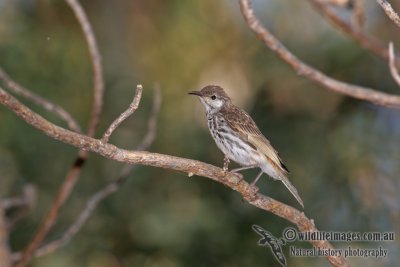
(343, 154)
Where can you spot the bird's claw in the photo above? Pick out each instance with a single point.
(253, 191)
(238, 175)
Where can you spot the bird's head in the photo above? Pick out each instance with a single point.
(213, 98)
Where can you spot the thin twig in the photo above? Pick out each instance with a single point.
(75, 171)
(309, 72)
(40, 101)
(90, 206)
(5, 252)
(392, 65)
(364, 40)
(128, 112)
(108, 189)
(27, 198)
(191, 167)
(387, 7)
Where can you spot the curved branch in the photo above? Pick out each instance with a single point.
(387, 7)
(309, 72)
(40, 101)
(191, 167)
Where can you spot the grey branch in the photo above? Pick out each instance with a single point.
(387, 7)
(188, 166)
(392, 65)
(40, 101)
(130, 110)
(309, 72)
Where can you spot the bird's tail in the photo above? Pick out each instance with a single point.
(291, 188)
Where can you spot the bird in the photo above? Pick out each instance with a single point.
(238, 137)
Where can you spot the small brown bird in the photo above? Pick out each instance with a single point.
(239, 138)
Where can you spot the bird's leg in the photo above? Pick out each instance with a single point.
(253, 184)
(253, 188)
(225, 168)
(226, 163)
(243, 168)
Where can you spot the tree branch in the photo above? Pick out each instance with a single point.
(131, 109)
(191, 167)
(392, 65)
(40, 101)
(106, 191)
(27, 198)
(5, 253)
(387, 7)
(310, 73)
(75, 171)
(364, 40)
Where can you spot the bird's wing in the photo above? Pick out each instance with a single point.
(247, 129)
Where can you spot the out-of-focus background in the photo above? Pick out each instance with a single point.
(343, 154)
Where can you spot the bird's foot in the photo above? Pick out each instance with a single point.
(252, 193)
(239, 176)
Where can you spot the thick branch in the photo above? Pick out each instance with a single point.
(387, 7)
(310, 73)
(191, 167)
(40, 101)
(130, 110)
(106, 191)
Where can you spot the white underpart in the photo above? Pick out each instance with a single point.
(238, 150)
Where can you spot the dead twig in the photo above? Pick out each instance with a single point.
(128, 112)
(387, 7)
(392, 65)
(191, 167)
(40, 101)
(309, 72)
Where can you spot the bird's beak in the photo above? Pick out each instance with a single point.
(198, 93)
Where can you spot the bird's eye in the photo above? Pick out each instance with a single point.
(213, 97)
